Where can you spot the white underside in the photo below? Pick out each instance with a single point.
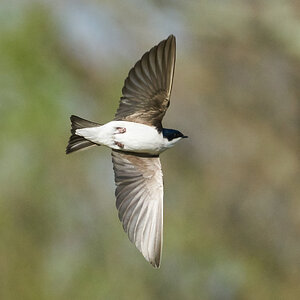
(137, 138)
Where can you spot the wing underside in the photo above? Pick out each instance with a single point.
(139, 194)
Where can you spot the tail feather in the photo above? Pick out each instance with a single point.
(77, 142)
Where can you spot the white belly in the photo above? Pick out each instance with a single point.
(137, 138)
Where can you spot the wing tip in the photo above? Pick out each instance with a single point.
(155, 264)
(154, 260)
(172, 39)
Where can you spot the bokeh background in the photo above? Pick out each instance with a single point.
(232, 190)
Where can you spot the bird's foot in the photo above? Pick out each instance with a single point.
(120, 145)
(121, 129)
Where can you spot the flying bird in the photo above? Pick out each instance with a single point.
(137, 137)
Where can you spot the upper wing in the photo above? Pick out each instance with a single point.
(147, 89)
(139, 194)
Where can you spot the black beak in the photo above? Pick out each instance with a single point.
(185, 137)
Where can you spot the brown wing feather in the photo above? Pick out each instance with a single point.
(147, 89)
(139, 194)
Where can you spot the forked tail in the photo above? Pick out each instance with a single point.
(77, 142)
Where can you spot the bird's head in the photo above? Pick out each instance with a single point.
(172, 136)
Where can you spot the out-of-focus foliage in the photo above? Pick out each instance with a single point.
(232, 190)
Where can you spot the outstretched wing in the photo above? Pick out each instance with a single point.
(139, 193)
(147, 89)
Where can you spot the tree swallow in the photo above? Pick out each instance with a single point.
(136, 137)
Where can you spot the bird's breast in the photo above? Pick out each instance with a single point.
(137, 137)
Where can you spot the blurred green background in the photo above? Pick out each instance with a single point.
(232, 190)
